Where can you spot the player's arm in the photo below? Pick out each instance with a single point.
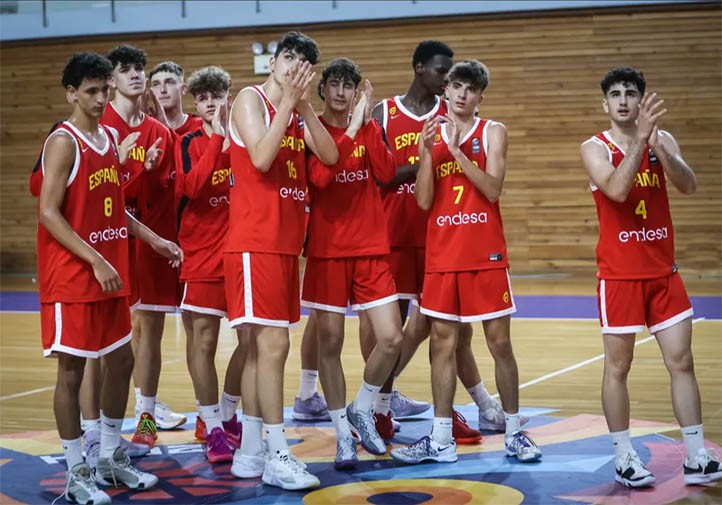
(383, 164)
(667, 150)
(164, 247)
(490, 182)
(58, 161)
(316, 136)
(404, 173)
(424, 188)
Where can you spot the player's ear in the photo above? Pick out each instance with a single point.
(71, 94)
(605, 106)
(184, 88)
(419, 68)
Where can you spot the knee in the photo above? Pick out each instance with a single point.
(70, 373)
(205, 345)
(442, 345)
(500, 347)
(390, 344)
(680, 363)
(617, 367)
(275, 349)
(330, 344)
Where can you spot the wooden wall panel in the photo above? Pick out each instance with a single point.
(545, 72)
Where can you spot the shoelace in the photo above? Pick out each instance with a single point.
(293, 463)
(86, 480)
(460, 418)
(521, 439)
(368, 421)
(632, 459)
(147, 426)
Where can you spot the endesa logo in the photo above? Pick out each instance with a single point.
(108, 234)
(352, 176)
(215, 201)
(297, 194)
(643, 235)
(461, 218)
(406, 188)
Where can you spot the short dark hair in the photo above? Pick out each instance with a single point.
(85, 66)
(427, 49)
(470, 71)
(341, 68)
(624, 75)
(167, 66)
(126, 54)
(299, 43)
(209, 80)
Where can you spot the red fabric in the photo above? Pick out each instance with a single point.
(205, 297)
(407, 268)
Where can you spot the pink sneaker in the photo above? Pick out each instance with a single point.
(233, 430)
(218, 449)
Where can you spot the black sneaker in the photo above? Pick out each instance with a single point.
(705, 468)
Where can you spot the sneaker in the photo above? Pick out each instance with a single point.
(462, 432)
(200, 432)
(81, 488)
(311, 409)
(146, 431)
(134, 450)
(363, 427)
(91, 447)
(426, 450)
(395, 424)
(705, 468)
(118, 470)
(166, 419)
(346, 456)
(403, 406)
(631, 472)
(384, 426)
(521, 446)
(218, 450)
(233, 430)
(492, 418)
(248, 466)
(285, 472)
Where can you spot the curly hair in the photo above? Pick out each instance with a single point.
(427, 49)
(85, 66)
(126, 54)
(209, 80)
(343, 69)
(301, 44)
(624, 75)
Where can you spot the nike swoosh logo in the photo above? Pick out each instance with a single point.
(692, 433)
(109, 425)
(343, 417)
(83, 149)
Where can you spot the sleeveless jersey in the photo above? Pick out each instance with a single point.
(267, 211)
(465, 230)
(406, 221)
(636, 238)
(94, 207)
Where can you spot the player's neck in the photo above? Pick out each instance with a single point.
(273, 91)
(339, 119)
(465, 122)
(87, 125)
(176, 117)
(418, 99)
(128, 108)
(623, 134)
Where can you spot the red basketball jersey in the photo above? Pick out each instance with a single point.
(94, 207)
(191, 124)
(636, 238)
(202, 182)
(406, 221)
(465, 230)
(267, 209)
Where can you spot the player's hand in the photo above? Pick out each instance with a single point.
(106, 275)
(169, 250)
(428, 132)
(153, 154)
(220, 117)
(369, 94)
(452, 131)
(297, 84)
(654, 141)
(357, 116)
(649, 114)
(127, 145)
(151, 106)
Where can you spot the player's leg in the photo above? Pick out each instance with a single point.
(231, 395)
(309, 405)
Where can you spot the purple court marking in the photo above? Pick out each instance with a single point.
(536, 306)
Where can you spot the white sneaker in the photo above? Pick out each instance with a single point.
(521, 446)
(248, 466)
(91, 447)
(166, 419)
(425, 449)
(705, 468)
(81, 488)
(285, 472)
(118, 470)
(492, 418)
(630, 471)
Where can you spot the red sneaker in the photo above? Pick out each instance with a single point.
(233, 430)
(462, 432)
(217, 448)
(146, 431)
(200, 429)
(384, 426)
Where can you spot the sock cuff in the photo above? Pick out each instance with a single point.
(251, 419)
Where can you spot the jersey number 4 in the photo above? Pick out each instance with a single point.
(641, 209)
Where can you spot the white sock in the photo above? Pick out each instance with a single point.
(693, 437)
(366, 395)
(442, 430)
(252, 440)
(89, 424)
(137, 395)
(394, 389)
(340, 422)
(229, 404)
(211, 415)
(622, 443)
(512, 423)
(147, 404)
(382, 404)
(73, 452)
(481, 396)
(109, 435)
(309, 384)
(276, 438)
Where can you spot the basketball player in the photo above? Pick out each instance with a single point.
(271, 127)
(166, 81)
(149, 195)
(402, 118)
(639, 286)
(460, 180)
(202, 183)
(347, 249)
(83, 275)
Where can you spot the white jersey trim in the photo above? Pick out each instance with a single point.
(407, 112)
(85, 139)
(76, 164)
(468, 135)
(235, 137)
